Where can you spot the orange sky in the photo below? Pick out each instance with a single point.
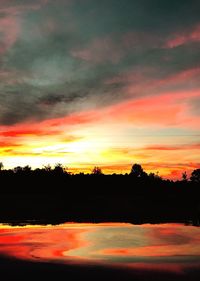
(107, 138)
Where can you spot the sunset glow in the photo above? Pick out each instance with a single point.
(85, 92)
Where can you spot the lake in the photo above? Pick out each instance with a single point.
(165, 248)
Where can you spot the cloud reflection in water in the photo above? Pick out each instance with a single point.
(167, 246)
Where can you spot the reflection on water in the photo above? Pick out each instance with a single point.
(171, 246)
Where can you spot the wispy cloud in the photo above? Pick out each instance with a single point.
(185, 37)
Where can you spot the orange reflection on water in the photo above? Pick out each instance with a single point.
(171, 246)
(40, 242)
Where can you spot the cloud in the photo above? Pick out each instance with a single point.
(26, 132)
(110, 65)
(186, 37)
(147, 81)
(169, 109)
(195, 146)
(8, 144)
(76, 62)
(9, 31)
(115, 47)
(16, 7)
(195, 106)
(100, 51)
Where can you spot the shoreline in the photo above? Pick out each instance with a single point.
(25, 222)
(15, 269)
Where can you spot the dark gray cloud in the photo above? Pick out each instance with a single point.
(59, 55)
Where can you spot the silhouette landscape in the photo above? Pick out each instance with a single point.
(100, 140)
(54, 195)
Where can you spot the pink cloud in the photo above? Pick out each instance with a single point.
(113, 50)
(99, 50)
(10, 23)
(108, 49)
(76, 118)
(145, 81)
(131, 40)
(11, 7)
(136, 76)
(49, 127)
(185, 76)
(167, 109)
(10, 29)
(184, 38)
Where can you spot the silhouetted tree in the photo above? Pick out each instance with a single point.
(154, 176)
(1, 166)
(137, 171)
(18, 170)
(22, 170)
(195, 176)
(26, 169)
(66, 171)
(97, 171)
(184, 176)
(47, 168)
(59, 169)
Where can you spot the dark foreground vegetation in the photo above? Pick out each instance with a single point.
(54, 196)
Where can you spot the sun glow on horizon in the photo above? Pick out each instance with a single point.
(88, 145)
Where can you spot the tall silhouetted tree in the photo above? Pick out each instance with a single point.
(1, 166)
(137, 171)
(195, 176)
(184, 176)
(97, 171)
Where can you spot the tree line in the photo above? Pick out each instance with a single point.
(136, 171)
(53, 194)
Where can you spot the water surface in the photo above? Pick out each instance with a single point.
(171, 247)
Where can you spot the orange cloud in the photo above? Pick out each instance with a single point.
(73, 119)
(171, 170)
(178, 147)
(26, 132)
(6, 144)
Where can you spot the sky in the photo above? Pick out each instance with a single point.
(102, 83)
